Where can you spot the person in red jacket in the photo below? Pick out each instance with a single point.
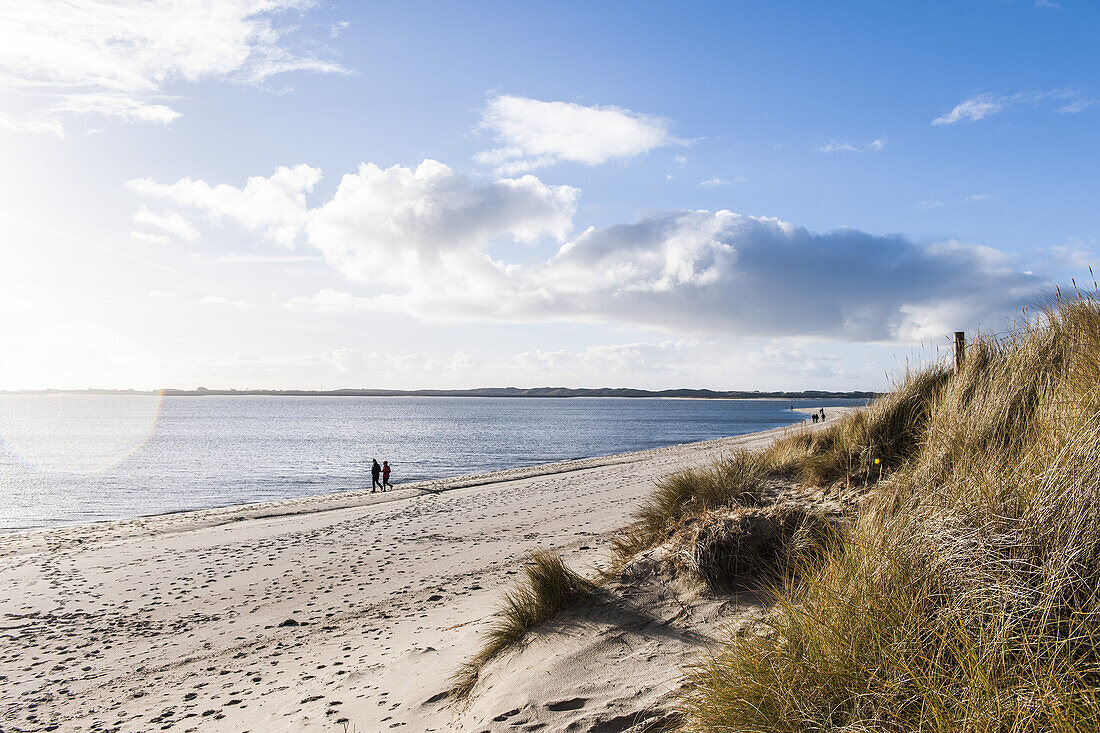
(386, 475)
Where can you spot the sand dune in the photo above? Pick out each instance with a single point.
(307, 614)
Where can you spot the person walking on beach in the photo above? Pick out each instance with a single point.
(813, 415)
(375, 469)
(386, 475)
(822, 414)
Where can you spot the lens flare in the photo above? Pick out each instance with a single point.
(77, 433)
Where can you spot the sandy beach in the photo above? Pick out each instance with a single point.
(343, 611)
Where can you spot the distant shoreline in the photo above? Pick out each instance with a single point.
(508, 392)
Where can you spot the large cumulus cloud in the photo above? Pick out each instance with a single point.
(427, 232)
(723, 272)
(431, 221)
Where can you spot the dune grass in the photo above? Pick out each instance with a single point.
(966, 594)
(752, 548)
(889, 430)
(735, 481)
(548, 587)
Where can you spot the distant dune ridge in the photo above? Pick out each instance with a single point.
(479, 392)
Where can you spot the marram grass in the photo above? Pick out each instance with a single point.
(735, 481)
(966, 594)
(548, 587)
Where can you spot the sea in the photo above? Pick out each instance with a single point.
(73, 459)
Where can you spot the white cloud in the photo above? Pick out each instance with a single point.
(1047, 5)
(715, 182)
(1073, 105)
(238, 259)
(396, 224)
(971, 110)
(275, 206)
(1074, 256)
(849, 147)
(218, 300)
(148, 237)
(940, 203)
(399, 224)
(534, 134)
(421, 238)
(116, 58)
(172, 223)
(34, 126)
(724, 273)
(982, 106)
(331, 301)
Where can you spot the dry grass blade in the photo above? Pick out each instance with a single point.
(548, 588)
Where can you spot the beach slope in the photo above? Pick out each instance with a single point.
(303, 614)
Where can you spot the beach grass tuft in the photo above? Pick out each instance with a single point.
(750, 547)
(738, 480)
(965, 593)
(549, 587)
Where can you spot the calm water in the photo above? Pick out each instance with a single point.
(69, 459)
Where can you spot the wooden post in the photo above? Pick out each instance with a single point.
(960, 350)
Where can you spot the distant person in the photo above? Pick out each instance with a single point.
(822, 414)
(375, 469)
(386, 475)
(814, 416)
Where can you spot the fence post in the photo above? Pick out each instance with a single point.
(960, 350)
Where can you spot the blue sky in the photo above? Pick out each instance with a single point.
(727, 195)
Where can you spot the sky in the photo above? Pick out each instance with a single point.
(731, 195)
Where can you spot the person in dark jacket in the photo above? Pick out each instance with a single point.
(386, 475)
(375, 469)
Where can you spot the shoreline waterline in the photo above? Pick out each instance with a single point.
(363, 497)
(395, 590)
(69, 461)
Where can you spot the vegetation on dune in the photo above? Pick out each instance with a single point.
(752, 547)
(962, 593)
(547, 588)
(965, 596)
(889, 430)
(735, 481)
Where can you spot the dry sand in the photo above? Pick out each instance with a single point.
(349, 610)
